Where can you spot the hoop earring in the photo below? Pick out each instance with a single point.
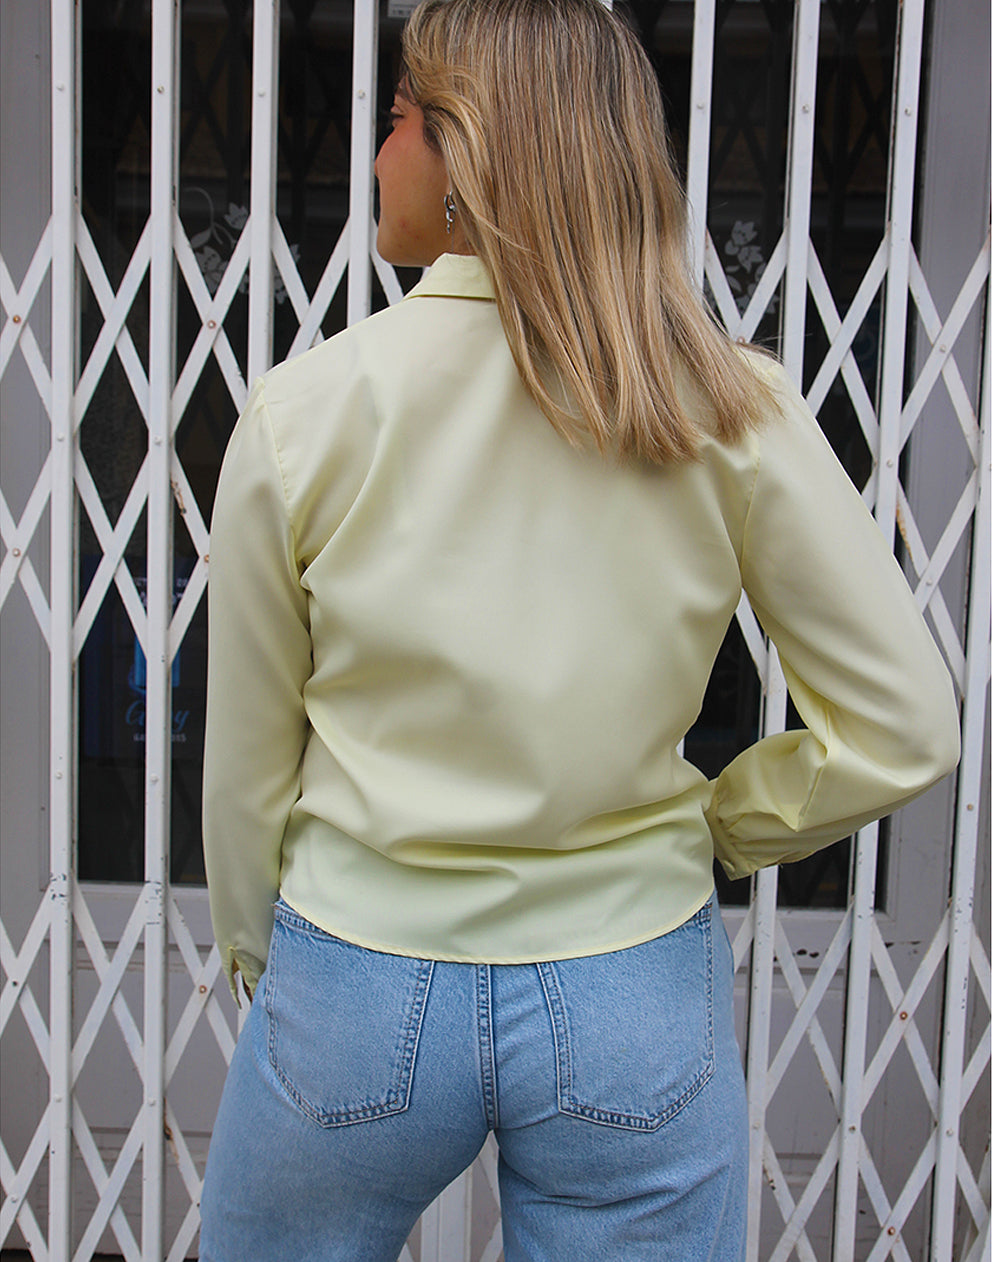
(449, 212)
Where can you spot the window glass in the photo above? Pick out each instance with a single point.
(113, 441)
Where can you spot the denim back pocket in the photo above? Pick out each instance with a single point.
(344, 1022)
(633, 1029)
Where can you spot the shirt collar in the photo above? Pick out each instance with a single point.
(455, 276)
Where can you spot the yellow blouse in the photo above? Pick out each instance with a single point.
(452, 657)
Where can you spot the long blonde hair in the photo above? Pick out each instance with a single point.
(550, 121)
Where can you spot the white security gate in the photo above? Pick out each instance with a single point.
(127, 340)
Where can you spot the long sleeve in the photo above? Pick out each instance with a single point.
(259, 661)
(881, 722)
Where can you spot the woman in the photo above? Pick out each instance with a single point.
(454, 649)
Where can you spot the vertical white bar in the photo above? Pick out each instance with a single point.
(857, 995)
(758, 1046)
(700, 126)
(761, 997)
(800, 185)
(65, 204)
(952, 1050)
(264, 111)
(158, 743)
(363, 98)
(902, 170)
(902, 173)
(445, 1226)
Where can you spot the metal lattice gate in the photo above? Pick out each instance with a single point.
(114, 1030)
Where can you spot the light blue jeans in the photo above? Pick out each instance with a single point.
(363, 1083)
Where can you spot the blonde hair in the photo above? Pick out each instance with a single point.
(550, 121)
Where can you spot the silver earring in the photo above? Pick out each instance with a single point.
(449, 212)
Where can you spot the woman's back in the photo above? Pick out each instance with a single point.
(509, 638)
